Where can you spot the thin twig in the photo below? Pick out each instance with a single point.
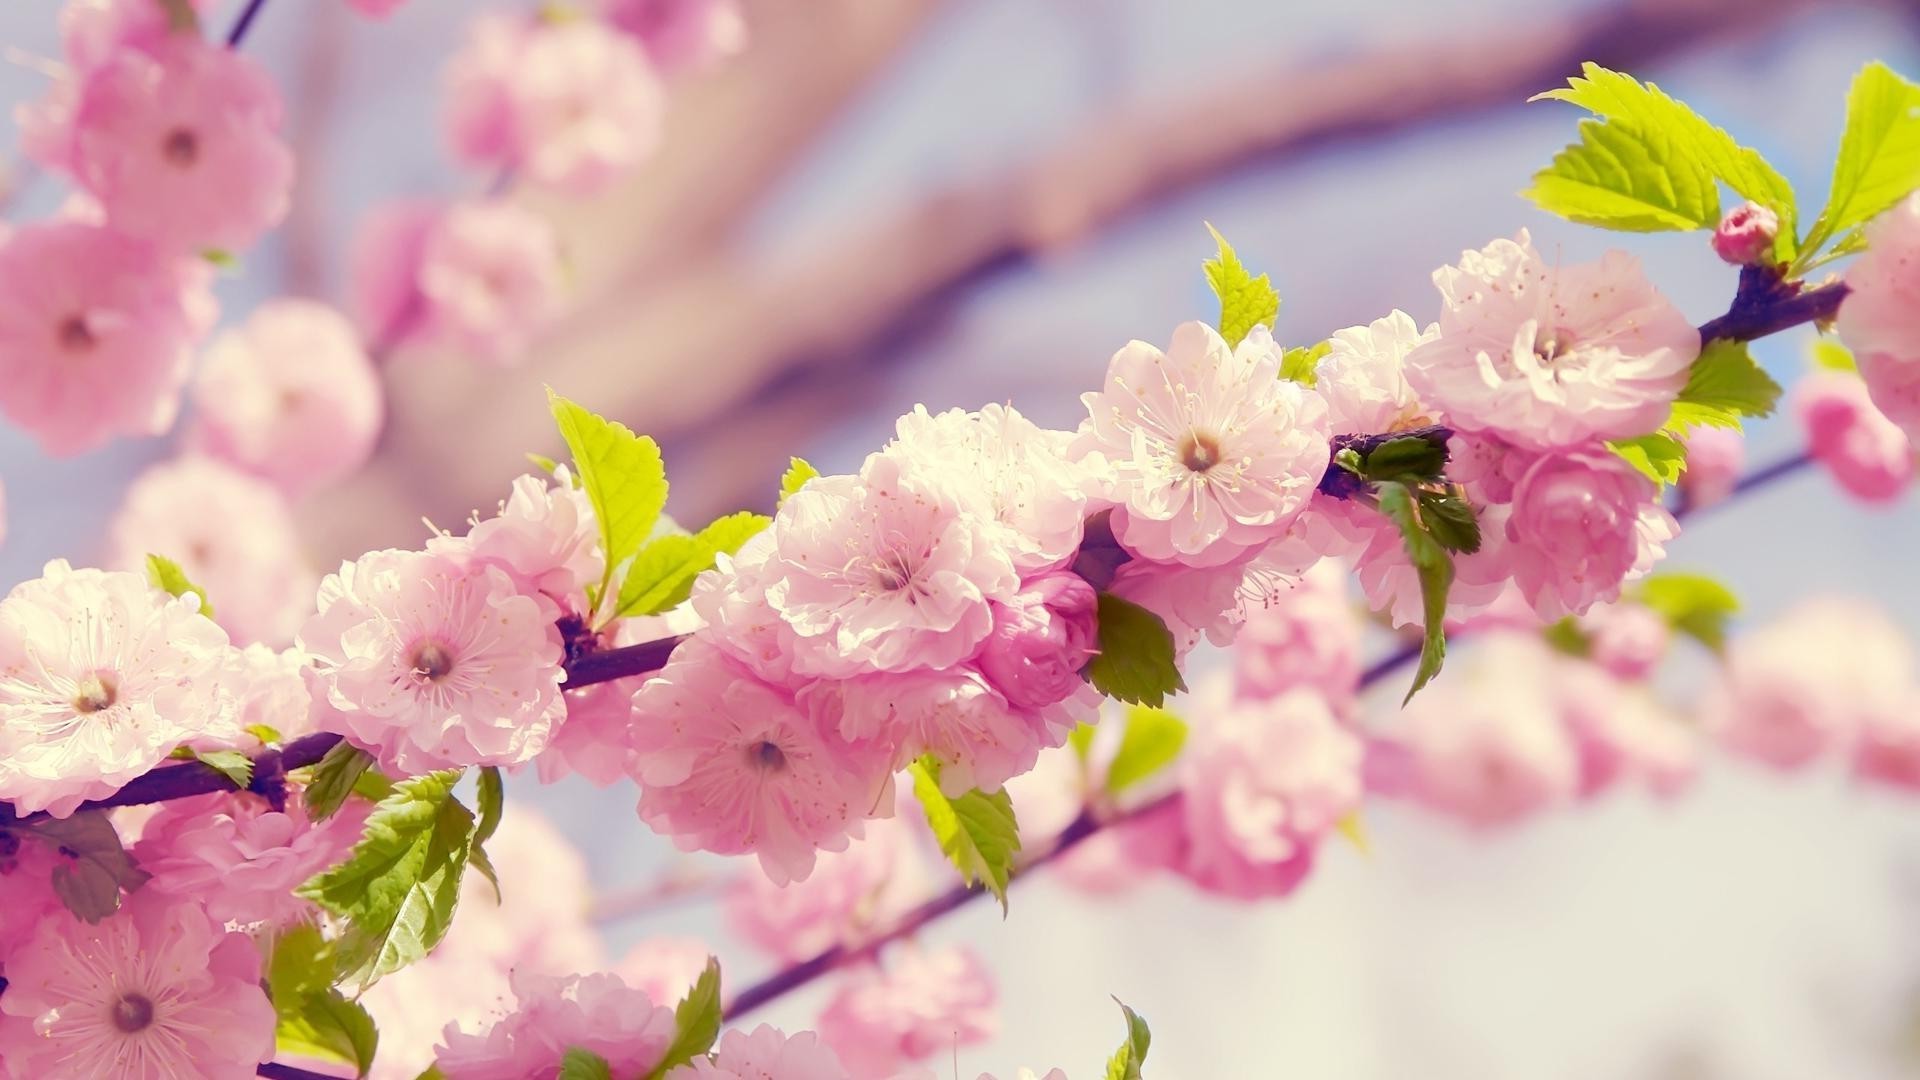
(244, 23)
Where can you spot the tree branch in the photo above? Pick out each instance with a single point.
(244, 23)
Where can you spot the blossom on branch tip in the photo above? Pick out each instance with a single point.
(1207, 453)
(433, 662)
(1042, 637)
(1552, 356)
(1745, 235)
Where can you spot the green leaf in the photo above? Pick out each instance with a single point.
(1409, 457)
(167, 576)
(1616, 178)
(1686, 150)
(1136, 659)
(661, 576)
(334, 778)
(1659, 458)
(1830, 355)
(266, 733)
(1449, 519)
(1301, 363)
(1432, 565)
(398, 888)
(1879, 161)
(581, 1064)
(1245, 301)
(797, 475)
(492, 801)
(977, 831)
(1724, 385)
(544, 463)
(622, 475)
(1151, 740)
(315, 1020)
(1693, 604)
(96, 868)
(696, 1022)
(1567, 637)
(1127, 1061)
(232, 764)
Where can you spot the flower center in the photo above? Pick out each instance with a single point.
(95, 693)
(892, 572)
(133, 1012)
(75, 335)
(1199, 451)
(767, 756)
(181, 148)
(1552, 346)
(431, 660)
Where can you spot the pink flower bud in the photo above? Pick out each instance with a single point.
(1746, 234)
(1041, 638)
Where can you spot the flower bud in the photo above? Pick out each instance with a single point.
(1042, 636)
(1746, 234)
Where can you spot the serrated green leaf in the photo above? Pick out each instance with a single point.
(696, 1022)
(1151, 740)
(797, 474)
(622, 474)
(977, 831)
(167, 576)
(96, 869)
(1830, 355)
(232, 764)
(398, 888)
(334, 778)
(1432, 565)
(1132, 1055)
(1879, 160)
(1245, 301)
(1615, 178)
(1450, 521)
(1684, 146)
(1136, 659)
(491, 802)
(661, 576)
(1409, 457)
(1692, 604)
(315, 1020)
(1724, 385)
(1301, 363)
(582, 1064)
(1659, 458)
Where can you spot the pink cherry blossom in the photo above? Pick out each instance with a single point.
(882, 572)
(1627, 639)
(1304, 636)
(847, 893)
(241, 858)
(729, 764)
(1487, 743)
(1001, 465)
(1622, 732)
(93, 337)
(1583, 522)
(924, 1002)
(1715, 457)
(181, 146)
(1887, 750)
(980, 739)
(26, 890)
(1042, 637)
(1392, 585)
(545, 536)
(1866, 453)
(101, 676)
(1210, 453)
(731, 600)
(491, 277)
(570, 104)
(1552, 356)
(765, 1054)
(681, 34)
(157, 990)
(378, 9)
(1876, 318)
(265, 689)
(664, 968)
(290, 396)
(597, 1013)
(1261, 783)
(1809, 681)
(1745, 234)
(1363, 376)
(384, 263)
(235, 537)
(434, 663)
